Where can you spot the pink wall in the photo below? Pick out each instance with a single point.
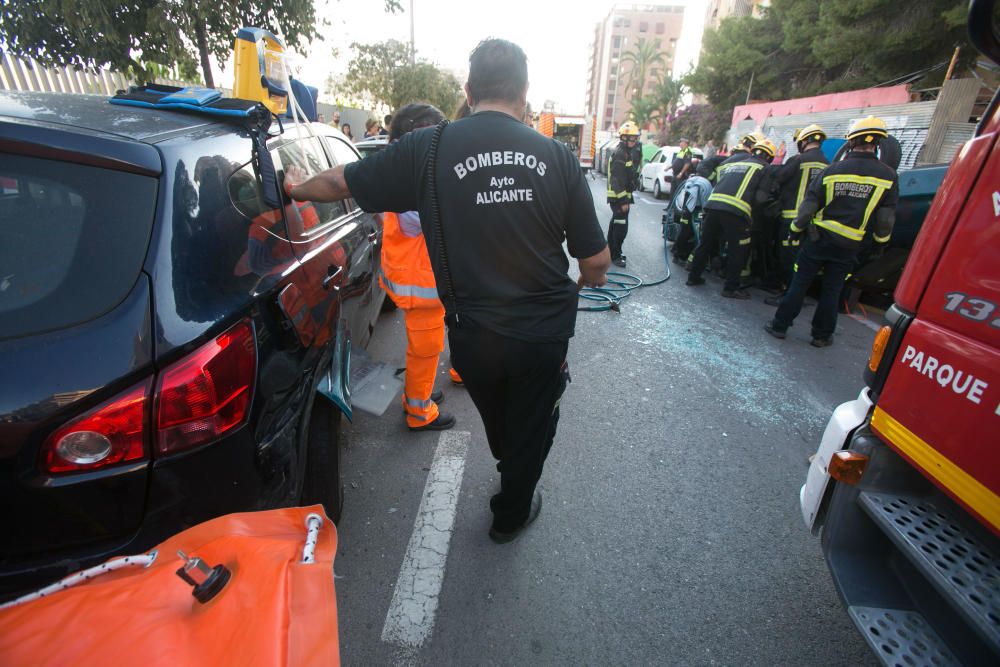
(852, 99)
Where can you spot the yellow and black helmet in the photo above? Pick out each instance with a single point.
(867, 129)
(810, 133)
(751, 138)
(628, 129)
(767, 147)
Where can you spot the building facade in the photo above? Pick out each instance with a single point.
(609, 96)
(720, 9)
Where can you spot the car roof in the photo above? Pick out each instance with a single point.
(374, 141)
(95, 114)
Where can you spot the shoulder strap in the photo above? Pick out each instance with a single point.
(450, 304)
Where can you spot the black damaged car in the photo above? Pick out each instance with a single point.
(163, 329)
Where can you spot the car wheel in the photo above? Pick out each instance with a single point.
(656, 188)
(321, 477)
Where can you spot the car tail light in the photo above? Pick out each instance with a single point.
(109, 434)
(847, 466)
(878, 348)
(207, 393)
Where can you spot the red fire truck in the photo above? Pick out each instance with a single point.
(906, 482)
(577, 132)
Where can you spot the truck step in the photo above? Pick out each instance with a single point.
(901, 637)
(961, 568)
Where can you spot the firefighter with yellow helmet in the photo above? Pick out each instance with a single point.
(844, 204)
(786, 185)
(623, 178)
(728, 215)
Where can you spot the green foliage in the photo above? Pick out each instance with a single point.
(644, 110)
(808, 47)
(668, 93)
(424, 82)
(383, 72)
(373, 69)
(128, 35)
(643, 56)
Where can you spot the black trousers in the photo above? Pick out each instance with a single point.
(735, 229)
(787, 251)
(836, 262)
(617, 228)
(685, 239)
(516, 385)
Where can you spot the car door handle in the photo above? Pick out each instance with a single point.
(334, 273)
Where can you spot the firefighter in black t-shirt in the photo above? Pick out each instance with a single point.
(497, 200)
(840, 203)
(622, 182)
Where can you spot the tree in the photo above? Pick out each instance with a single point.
(699, 122)
(424, 82)
(382, 72)
(373, 69)
(644, 110)
(668, 93)
(127, 35)
(803, 47)
(645, 55)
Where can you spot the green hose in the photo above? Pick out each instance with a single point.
(619, 287)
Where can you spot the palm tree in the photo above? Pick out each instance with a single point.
(644, 110)
(642, 58)
(668, 93)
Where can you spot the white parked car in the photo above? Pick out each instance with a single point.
(656, 175)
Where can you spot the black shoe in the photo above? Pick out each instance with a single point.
(694, 281)
(679, 260)
(437, 396)
(822, 342)
(774, 331)
(619, 262)
(735, 293)
(443, 422)
(774, 300)
(536, 507)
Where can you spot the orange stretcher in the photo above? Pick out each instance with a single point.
(274, 608)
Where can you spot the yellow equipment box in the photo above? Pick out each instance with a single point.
(260, 69)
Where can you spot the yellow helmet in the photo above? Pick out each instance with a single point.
(628, 128)
(752, 138)
(766, 146)
(810, 133)
(867, 128)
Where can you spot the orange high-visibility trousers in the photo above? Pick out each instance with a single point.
(424, 344)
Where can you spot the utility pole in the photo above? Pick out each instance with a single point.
(749, 88)
(413, 46)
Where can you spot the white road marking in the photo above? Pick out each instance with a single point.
(868, 323)
(410, 620)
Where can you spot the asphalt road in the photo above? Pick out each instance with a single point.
(670, 532)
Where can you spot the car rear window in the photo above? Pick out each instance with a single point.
(72, 241)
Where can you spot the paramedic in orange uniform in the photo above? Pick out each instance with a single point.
(409, 281)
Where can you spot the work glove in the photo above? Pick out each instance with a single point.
(877, 251)
(813, 231)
